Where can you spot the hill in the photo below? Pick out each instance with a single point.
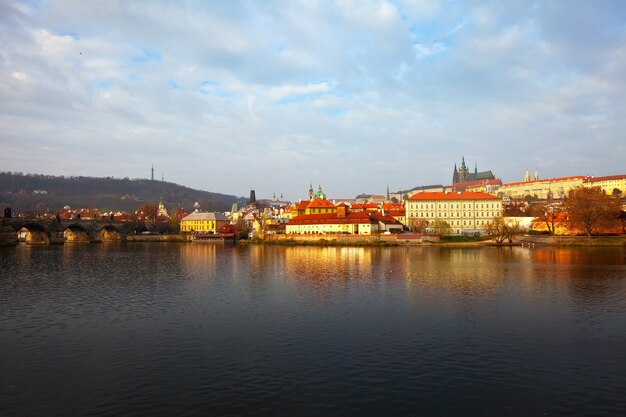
(24, 192)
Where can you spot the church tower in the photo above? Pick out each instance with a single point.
(311, 192)
(162, 211)
(527, 176)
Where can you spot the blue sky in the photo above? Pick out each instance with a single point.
(274, 95)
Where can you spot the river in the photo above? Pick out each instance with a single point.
(170, 329)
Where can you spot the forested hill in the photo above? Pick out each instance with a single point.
(25, 191)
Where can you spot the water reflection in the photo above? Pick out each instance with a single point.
(266, 330)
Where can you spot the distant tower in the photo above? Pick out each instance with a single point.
(162, 176)
(527, 176)
(311, 192)
(252, 200)
(475, 168)
(152, 174)
(455, 175)
(536, 175)
(388, 199)
(463, 171)
(162, 211)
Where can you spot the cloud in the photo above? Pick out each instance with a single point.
(281, 94)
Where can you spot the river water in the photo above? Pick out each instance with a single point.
(204, 329)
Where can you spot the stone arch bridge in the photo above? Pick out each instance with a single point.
(51, 231)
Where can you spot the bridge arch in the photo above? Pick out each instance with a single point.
(109, 233)
(33, 234)
(76, 233)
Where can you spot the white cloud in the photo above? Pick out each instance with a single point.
(287, 91)
(427, 81)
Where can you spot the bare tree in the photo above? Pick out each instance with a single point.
(418, 225)
(261, 218)
(500, 229)
(441, 227)
(550, 212)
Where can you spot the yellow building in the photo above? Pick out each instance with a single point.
(465, 212)
(203, 222)
(549, 187)
(608, 183)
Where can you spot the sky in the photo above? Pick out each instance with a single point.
(228, 96)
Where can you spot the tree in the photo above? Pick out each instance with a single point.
(441, 227)
(550, 212)
(617, 193)
(590, 208)
(500, 229)
(243, 228)
(418, 225)
(148, 212)
(261, 217)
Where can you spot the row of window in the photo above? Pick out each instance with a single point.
(458, 214)
(452, 205)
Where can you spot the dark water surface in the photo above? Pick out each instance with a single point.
(199, 329)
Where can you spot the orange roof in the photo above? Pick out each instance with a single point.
(574, 177)
(321, 203)
(452, 196)
(606, 178)
(302, 205)
(392, 206)
(331, 218)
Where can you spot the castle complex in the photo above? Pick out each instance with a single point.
(463, 174)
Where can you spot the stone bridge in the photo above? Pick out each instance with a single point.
(51, 231)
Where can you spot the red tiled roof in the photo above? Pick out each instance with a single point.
(452, 196)
(477, 183)
(332, 218)
(606, 178)
(321, 203)
(392, 206)
(545, 180)
(302, 205)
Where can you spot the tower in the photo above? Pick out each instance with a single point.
(252, 200)
(527, 176)
(463, 171)
(152, 174)
(311, 192)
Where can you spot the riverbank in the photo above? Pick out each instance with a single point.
(574, 240)
(158, 238)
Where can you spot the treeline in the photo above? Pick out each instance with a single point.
(24, 192)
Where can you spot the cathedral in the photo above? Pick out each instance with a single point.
(463, 174)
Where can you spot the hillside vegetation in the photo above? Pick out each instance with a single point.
(24, 192)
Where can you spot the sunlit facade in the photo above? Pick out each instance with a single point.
(464, 212)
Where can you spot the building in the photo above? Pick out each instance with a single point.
(162, 211)
(542, 189)
(467, 213)
(464, 175)
(321, 216)
(203, 222)
(481, 186)
(607, 183)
